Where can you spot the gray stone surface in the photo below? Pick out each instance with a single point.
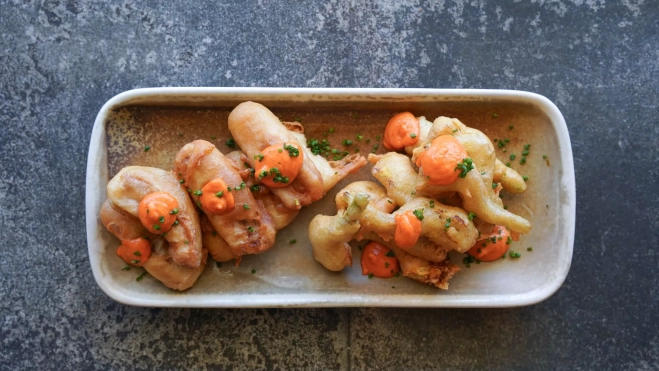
(61, 60)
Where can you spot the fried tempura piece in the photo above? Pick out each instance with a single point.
(460, 235)
(329, 235)
(436, 274)
(510, 180)
(280, 214)
(160, 264)
(200, 162)
(132, 183)
(424, 128)
(255, 128)
(216, 245)
(378, 217)
(423, 248)
(476, 187)
(174, 276)
(376, 193)
(396, 172)
(331, 171)
(425, 261)
(121, 224)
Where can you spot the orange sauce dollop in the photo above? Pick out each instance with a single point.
(408, 229)
(493, 246)
(157, 212)
(379, 261)
(402, 130)
(278, 165)
(216, 198)
(135, 252)
(440, 161)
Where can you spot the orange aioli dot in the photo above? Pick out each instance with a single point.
(135, 252)
(157, 212)
(375, 261)
(402, 130)
(486, 250)
(440, 161)
(408, 229)
(215, 197)
(286, 158)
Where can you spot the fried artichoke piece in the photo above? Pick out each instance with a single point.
(459, 236)
(423, 248)
(510, 180)
(376, 193)
(198, 163)
(377, 220)
(432, 273)
(475, 188)
(329, 235)
(436, 274)
(132, 183)
(396, 172)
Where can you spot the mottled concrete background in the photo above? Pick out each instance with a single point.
(60, 60)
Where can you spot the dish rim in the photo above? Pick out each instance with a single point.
(541, 293)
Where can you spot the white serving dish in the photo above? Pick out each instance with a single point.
(287, 275)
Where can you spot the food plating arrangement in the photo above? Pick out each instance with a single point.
(439, 191)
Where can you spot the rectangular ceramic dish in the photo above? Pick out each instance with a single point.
(287, 275)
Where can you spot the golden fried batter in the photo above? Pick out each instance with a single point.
(248, 228)
(397, 175)
(377, 217)
(475, 188)
(280, 214)
(160, 265)
(254, 128)
(216, 245)
(132, 183)
(329, 235)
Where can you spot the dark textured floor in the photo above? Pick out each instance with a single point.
(597, 60)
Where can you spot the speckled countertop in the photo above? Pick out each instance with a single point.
(60, 60)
